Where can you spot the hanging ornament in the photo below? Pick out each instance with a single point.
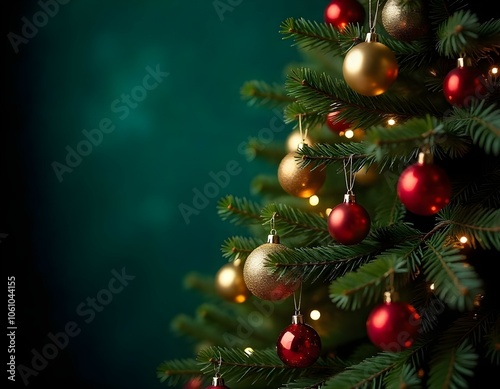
(370, 67)
(464, 84)
(261, 282)
(405, 20)
(393, 325)
(340, 13)
(230, 284)
(337, 127)
(349, 223)
(217, 380)
(423, 187)
(298, 345)
(296, 181)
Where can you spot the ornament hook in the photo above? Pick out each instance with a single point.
(298, 303)
(302, 133)
(373, 21)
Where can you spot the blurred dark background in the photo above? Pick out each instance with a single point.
(65, 236)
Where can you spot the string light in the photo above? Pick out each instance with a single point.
(463, 239)
(494, 71)
(349, 134)
(249, 351)
(391, 122)
(314, 200)
(327, 211)
(315, 314)
(432, 286)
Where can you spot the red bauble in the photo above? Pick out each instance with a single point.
(349, 223)
(193, 383)
(463, 84)
(337, 127)
(340, 13)
(299, 345)
(424, 188)
(393, 326)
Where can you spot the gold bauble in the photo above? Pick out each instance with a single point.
(370, 67)
(260, 280)
(405, 21)
(230, 284)
(300, 182)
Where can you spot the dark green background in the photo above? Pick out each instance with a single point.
(119, 207)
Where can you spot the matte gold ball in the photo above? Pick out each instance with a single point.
(260, 280)
(230, 284)
(300, 182)
(405, 21)
(370, 68)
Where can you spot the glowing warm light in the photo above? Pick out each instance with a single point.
(391, 122)
(314, 200)
(432, 286)
(380, 319)
(349, 134)
(494, 70)
(463, 239)
(241, 298)
(315, 314)
(328, 211)
(226, 278)
(249, 351)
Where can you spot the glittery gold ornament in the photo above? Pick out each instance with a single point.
(405, 20)
(370, 67)
(260, 280)
(230, 284)
(294, 140)
(297, 181)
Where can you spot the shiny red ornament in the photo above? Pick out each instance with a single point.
(349, 223)
(298, 345)
(464, 84)
(340, 13)
(393, 326)
(424, 188)
(339, 126)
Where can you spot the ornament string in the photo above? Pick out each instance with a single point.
(349, 175)
(272, 223)
(298, 303)
(302, 133)
(218, 366)
(372, 22)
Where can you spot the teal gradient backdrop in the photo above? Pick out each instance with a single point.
(117, 210)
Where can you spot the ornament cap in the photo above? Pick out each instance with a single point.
(301, 145)
(425, 158)
(217, 380)
(371, 37)
(273, 238)
(349, 198)
(298, 319)
(464, 62)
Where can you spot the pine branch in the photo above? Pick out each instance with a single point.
(463, 34)
(366, 285)
(369, 373)
(456, 283)
(323, 36)
(320, 93)
(404, 376)
(327, 262)
(480, 225)
(239, 210)
(310, 119)
(259, 93)
(451, 367)
(238, 247)
(178, 371)
(480, 122)
(389, 209)
(492, 340)
(262, 366)
(291, 222)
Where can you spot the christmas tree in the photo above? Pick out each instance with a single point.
(370, 256)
